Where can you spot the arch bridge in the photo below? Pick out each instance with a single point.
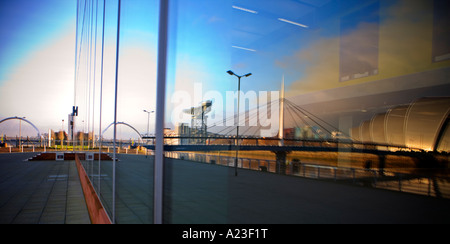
(23, 119)
(123, 123)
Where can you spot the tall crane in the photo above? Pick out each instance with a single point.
(199, 118)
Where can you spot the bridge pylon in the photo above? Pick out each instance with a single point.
(281, 162)
(281, 155)
(281, 118)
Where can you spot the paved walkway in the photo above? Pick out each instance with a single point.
(41, 192)
(204, 193)
(198, 193)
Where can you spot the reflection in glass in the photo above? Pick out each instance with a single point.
(425, 119)
(395, 126)
(356, 73)
(359, 43)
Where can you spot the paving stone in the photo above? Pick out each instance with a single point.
(40, 192)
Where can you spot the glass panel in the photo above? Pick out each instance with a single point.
(199, 52)
(441, 34)
(126, 187)
(262, 97)
(359, 43)
(328, 89)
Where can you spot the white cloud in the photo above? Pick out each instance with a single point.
(136, 91)
(41, 87)
(404, 47)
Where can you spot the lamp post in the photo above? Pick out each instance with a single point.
(237, 127)
(62, 129)
(148, 118)
(20, 130)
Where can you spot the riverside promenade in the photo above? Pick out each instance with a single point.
(36, 192)
(40, 192)
(199, 193)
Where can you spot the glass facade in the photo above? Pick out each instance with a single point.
(245, 80)
(114, 92)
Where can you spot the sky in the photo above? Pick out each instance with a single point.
(30, 25)
(310, 44)
(36, 60)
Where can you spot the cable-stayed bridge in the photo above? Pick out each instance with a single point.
(306, 133)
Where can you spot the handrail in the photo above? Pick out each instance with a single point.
(383, 179)
(96, 210)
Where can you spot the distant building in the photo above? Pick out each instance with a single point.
(182, 130)
(305, 133)
(289, 133)
(337, 135)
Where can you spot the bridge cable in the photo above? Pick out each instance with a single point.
(306, 123)
(252, 114)
(311, 114)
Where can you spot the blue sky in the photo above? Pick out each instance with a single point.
(269, 38)
(26, 25)
(28, 30)
(203, 40)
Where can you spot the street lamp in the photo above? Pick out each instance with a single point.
(237, 127)
(20, 130)
(148, 118)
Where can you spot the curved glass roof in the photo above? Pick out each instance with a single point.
(422, 125)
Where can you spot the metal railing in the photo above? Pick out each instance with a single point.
(432, 186)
